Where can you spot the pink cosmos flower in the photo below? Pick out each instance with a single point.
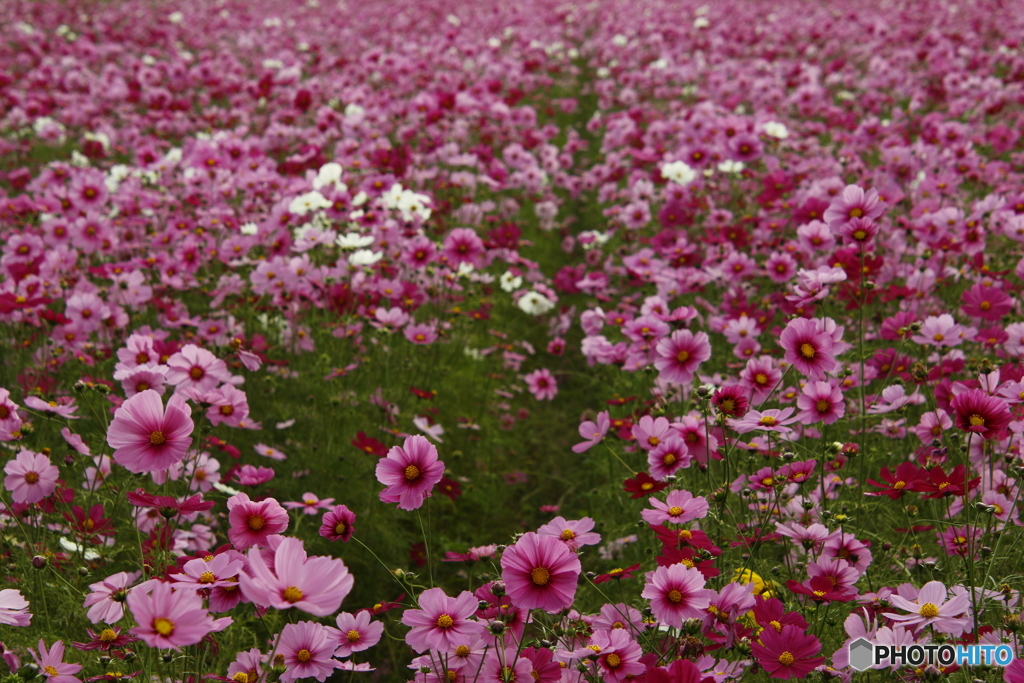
(618, 655)
(650, 432)
(63, 406)
(253, 522)
(356, 632)
(463, 245)
(148, 438)
(854, 203)
(592, 432)
(679, 507)
(540, 572)
(249, 663)
(773, 420)
(338, 524)
(168, 618)
(135, 380)
(316, 585)
(939, 331)
(30, 477)
(309, 504)
(677, 593)
(228, 406)
(420, 333)
(931, 608)
(442, 623)
(106, 602)
(820, 402)
(574, 533)
(541, 384)
(51, 663)
(248, 475)
(216, 572)
(196, 368)
(14, 608)
(307, 649)
(410, 472)
(808, 347)
(668, 458)
(680, 354)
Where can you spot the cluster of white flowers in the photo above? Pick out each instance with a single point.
(678, 172)
(409, 203)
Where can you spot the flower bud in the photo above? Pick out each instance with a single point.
(39, 562)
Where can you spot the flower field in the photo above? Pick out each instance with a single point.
(446, 342)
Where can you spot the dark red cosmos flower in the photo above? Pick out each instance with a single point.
(678, 538)
(978, 413)
(939, 484)
(382, 607)
(13, 302)
(449, 487)
(224, 447)
(690, 558)
(90, 525)
(617, 573)
(167, 505)
(908, 477)
(117, 676)
(423, 393)
(732, 400)
(643, 485)
(545, 669)
(105, 639)
(369, 445)
(771, 613)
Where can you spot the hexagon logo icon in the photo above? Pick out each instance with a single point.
(862, 654)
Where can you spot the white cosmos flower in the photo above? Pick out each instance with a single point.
(678, 172)
(353, 240)
(365, 257)
(329, 174)
(510, 282)
(535, 303)
(311, 201)
(776, 130)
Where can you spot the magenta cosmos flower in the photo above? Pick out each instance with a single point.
(338, 524)
(540, 572)
(168, 618)
(307, 651)
(51, 663)
(677, 593)
(808, 347)
(542, 385)
(409, 471)
(787, 653)
(356, 632)
(316, 585)
(148, 438)
(253, 522)
(977, 412)
(30, 477)
(681, 354)
(196, 368)
(442, 623)
(854, 203)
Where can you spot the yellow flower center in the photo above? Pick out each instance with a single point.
(462, 651)
(821, 405)
(761, 378)
(353, 636)
(674, 596)
(776, 625)
(304, 655)
(786, 658)
(50, 671)
(108, 635)
(976, 421)
(31, 477)
(855, 213)
(612, 661)
(939, 337)
(682, 356)
(445, 621)
(768, 421)
(899, 485)
(669, 459)
(929, 610)
(675, 511)
(292, 594)
(256, 522)
(339, 528)
(412, 472)
(163, 626)
(196, 373)
(540, 576)
(207, 577)
(568, 535)
(807, 351)
(157, 438)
